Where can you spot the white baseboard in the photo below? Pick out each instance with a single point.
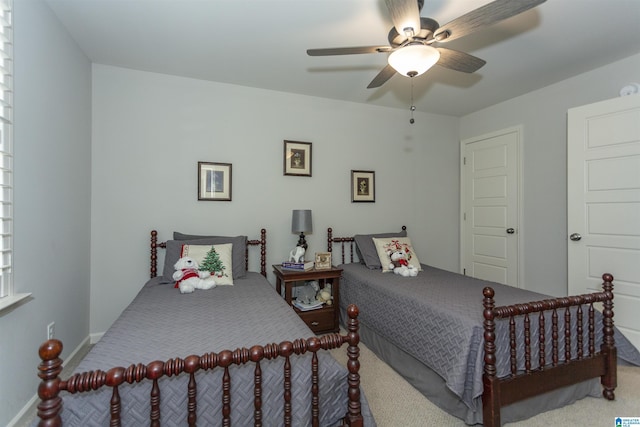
(84, 343)
(31, 406)
(95, 337)
(21, 417)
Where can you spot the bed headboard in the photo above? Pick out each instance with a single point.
(344, 241)
(262, 242)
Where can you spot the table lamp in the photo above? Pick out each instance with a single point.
(301, 223)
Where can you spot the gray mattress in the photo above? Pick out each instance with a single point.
(161, 324)
(436, 322)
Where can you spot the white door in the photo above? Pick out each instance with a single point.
(490, 206)
(603, 192)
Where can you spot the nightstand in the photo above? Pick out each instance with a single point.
(320, 320)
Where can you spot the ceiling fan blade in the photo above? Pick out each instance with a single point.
(483, 16)
(348, 50)
(459, 61)
(404, 14)
(382, 77)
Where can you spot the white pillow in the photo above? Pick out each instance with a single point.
(199, 252)
(383, 245)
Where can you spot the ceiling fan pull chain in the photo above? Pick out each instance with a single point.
(413, 107)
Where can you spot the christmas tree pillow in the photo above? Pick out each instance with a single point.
(238, 251)
(213, 258)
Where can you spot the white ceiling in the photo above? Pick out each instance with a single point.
(262, 44)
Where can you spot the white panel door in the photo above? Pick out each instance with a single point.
(490, 201)
(603, 190)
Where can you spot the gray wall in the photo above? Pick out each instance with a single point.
(52, 188)
(543, 115)
(98, 164)
(150, 131)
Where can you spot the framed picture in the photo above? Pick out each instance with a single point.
(297, 158)
(323, 261)
(363, 186)
(214, 181)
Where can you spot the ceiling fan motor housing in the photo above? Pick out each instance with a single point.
(428, 28)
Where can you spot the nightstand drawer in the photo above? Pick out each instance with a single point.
(320, 320)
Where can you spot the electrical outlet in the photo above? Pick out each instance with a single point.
(51, 330)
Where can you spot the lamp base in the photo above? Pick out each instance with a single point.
(302, 242)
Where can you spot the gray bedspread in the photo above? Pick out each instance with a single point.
(436, 318)
(161, 324)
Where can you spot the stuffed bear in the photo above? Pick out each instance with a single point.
(324, 295)
(188, 277)
(399, 263)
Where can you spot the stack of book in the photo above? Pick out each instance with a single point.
(306, 307)
(299, 266)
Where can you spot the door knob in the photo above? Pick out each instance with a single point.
(510, 230)
(575, 237)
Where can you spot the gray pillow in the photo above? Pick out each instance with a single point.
(366, 249)
(174, 247)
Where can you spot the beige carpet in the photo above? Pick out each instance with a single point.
(394, 402)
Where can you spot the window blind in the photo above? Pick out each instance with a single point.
(6, 148)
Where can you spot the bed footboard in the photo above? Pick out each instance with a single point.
(51, 406)
(563, 369)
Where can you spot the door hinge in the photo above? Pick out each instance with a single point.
(464, 216)
(464, 271)
(464, 160)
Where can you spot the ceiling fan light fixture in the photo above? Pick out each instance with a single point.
(408, 32)
(413, 59)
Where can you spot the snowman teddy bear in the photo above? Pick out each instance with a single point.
(188, 278)
(400, 262)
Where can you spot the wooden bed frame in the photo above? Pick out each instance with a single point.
(498, 392)
(50, 405)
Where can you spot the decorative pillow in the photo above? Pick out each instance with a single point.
(239, 248)
(366, 249)
(383, 245)
(174, 249)
(199, 253)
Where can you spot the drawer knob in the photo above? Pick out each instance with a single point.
(314, 323)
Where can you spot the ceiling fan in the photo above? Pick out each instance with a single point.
(412, 38)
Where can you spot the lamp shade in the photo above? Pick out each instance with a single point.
(414, 59)
(301, 221)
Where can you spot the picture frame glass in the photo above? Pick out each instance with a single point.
(323, 261)
(297, 158)
(214, 181)
(363, 186)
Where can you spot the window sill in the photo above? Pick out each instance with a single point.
(12, 300)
